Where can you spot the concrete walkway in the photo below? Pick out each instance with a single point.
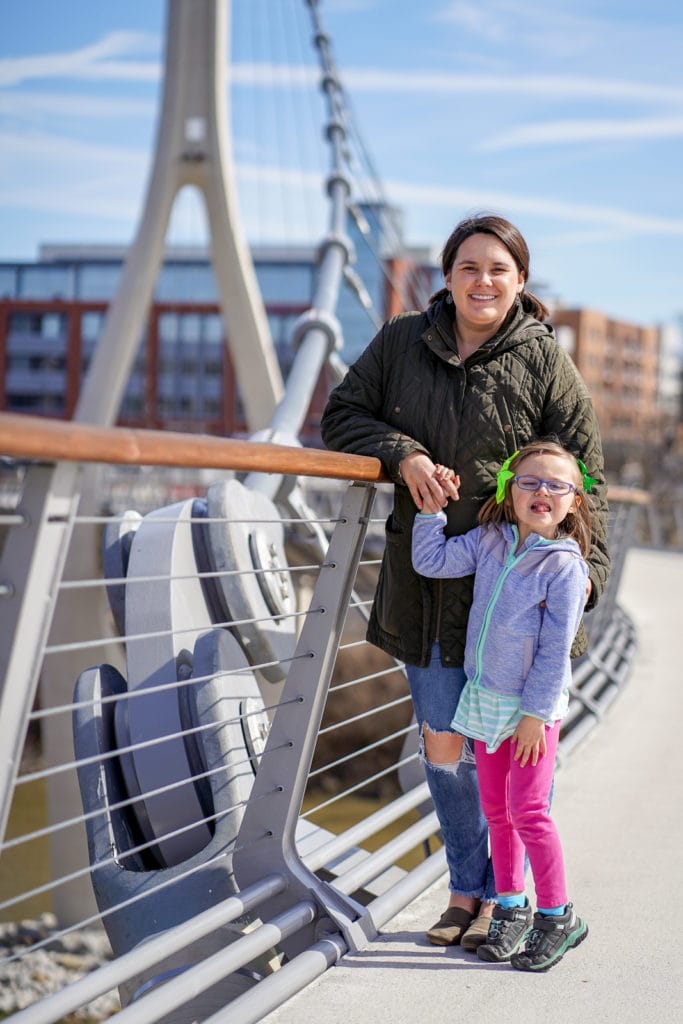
(619, 809)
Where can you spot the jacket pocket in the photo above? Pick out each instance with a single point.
(528, 652)
(397, 598)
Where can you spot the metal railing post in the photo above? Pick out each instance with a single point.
(30, 570)
(266, 843)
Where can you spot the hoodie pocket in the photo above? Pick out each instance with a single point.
(528, 652)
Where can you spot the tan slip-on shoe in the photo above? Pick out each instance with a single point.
(450, 926)
(476, 934)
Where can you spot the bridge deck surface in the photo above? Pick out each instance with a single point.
(619, 810)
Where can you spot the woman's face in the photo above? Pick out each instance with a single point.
(485, 281)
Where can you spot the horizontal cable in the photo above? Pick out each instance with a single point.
(387, 854)
(368, 826)
(364, 679)
(360, 785)
(156, 948)
(124, 854)
(364, 714)
(80, 819)
(198, 977)
(362, 750)
(46, 773)
(353, 643)
(199, 520)
(176, 684)
(156, 634)
(13, 520)
(137, 898)
(112, 581)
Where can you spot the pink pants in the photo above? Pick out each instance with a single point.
(515, 803)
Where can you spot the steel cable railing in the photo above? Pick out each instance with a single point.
(255, 745)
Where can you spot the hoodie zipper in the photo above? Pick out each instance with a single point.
(510, 562)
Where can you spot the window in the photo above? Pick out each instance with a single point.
(8, 282)
(286, 284)
(98, 280)
(186, 282)
(45, 282)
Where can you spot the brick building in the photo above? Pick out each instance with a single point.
(620, 364)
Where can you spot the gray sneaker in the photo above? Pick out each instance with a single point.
(507, 932)
(549, 940)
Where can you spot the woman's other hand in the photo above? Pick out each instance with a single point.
(428, 483)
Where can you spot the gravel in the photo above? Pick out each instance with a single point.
(41, 972)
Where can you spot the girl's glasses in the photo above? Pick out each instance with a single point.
(534, 483)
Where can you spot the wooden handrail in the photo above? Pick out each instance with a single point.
(627, 495)
(52, 440)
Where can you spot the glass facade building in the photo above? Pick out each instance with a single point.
(52, 312)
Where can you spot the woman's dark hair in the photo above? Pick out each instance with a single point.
(509, 236)
(577, 525)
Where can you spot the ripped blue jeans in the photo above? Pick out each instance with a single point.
(435, 691)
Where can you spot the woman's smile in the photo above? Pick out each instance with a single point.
(484, 281)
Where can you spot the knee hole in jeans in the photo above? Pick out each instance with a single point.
(444, 751)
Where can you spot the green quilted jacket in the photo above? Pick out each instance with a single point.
(409, 391)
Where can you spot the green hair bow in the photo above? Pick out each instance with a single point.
(505, 474)
(588, 481)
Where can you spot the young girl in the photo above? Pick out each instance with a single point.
(530, 588)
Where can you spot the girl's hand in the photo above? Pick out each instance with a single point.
(448, 478)
(430, 486)
(530, 739)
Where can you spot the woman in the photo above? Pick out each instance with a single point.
(464, 384)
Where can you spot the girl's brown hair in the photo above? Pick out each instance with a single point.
(509, 236)
(576, 525)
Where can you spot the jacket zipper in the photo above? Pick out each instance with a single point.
(510, 562)
(439, 605)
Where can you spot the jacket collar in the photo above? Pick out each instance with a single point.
(562, 542)
(516, 328)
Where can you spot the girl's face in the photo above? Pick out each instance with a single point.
(485, 281)
(537, 509)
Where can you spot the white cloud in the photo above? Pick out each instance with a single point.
(573, 131)
(624, 221)
(531, 24)
(46, 150)
(31, 105)
(107, 174)
(349, 6)
(293, 75)
(555, 31)
(356, 80)
(89, 62)
(547, 86)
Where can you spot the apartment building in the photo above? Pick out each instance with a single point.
(620, 363)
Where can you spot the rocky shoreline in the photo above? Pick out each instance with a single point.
(26, 976)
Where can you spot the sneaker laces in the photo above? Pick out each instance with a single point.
(534, 940)
(495, 928)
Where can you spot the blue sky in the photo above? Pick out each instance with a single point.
(565, 116)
